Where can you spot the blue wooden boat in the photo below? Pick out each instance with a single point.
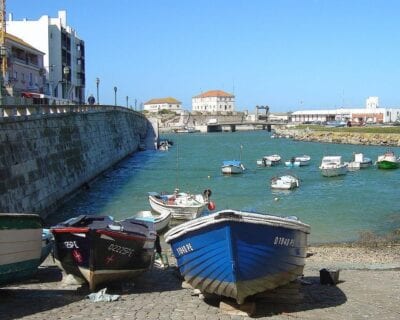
(20, 246)
(232, 167)
(238, 254)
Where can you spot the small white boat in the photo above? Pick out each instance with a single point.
(353, 166)
(304, 160)
(181, 205)
(232, 167)
(292, 163)
(364, 162)
(332, 166)
(161, 221)
(285, 182)
(268, 161)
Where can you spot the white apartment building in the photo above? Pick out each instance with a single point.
(214, 101)
(158, 104)
(64, 54)
(372, 113)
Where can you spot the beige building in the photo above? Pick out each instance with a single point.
(158, 104)
(25, 74)
(214, 101)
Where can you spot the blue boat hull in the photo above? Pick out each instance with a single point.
(237, 258)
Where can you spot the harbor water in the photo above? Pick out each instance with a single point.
(337, 208)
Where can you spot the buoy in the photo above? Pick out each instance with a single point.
(211, 205)
(209, 177)
(276, 199)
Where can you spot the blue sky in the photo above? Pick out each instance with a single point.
(288, 54)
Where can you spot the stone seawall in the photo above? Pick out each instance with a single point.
(45, 158)
(378, 139)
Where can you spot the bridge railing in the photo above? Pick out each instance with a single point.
(44, 110)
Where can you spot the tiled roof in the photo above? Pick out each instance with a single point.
(20, 41)
(169, 100)
(214, 93)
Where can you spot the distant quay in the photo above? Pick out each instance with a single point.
(345, 137)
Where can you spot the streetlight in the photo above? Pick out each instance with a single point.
(97, 88)
(115, 95)
(127, 99)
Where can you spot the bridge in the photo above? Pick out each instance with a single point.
(232, 126)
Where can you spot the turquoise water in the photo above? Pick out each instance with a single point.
(336, 208)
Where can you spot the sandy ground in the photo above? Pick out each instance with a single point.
(368, 288)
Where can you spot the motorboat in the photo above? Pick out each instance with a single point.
(285, 182)
(364, 162)
(232, 167)
(292, 163)
(99, 250)
(181, 205)
(332, 166)
(237, 254)
(20, 246)
(388, 161)
(268, 161)
(304, 160)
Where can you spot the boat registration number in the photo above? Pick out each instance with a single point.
(71, 245)
(121, 250)
(186, 248)
(282, 241)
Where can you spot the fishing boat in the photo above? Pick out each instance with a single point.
(161, 221)
(238, 254)
(388, 161)
(232, 167)
(285, 182)
(304, 160)
(181, 205)
(292, 163)
(20, 246)
(332, 166)
(99, 250)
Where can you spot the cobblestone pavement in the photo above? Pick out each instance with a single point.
(158, 294)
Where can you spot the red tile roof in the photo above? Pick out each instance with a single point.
(169, 100)
(214, 93)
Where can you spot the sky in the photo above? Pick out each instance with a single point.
(287, 54)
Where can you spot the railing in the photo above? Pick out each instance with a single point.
(45, 110)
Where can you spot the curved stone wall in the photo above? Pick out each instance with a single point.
(45, 158)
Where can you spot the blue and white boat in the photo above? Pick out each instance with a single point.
(232, 167)
(20, 246)
(238, 254)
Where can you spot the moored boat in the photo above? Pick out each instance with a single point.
(238, 254)
(268, 161)
(99, 250)
(332, 166)
(161, 220)
(181, 205)
(20, 246)
(285, 182)
(388, 161)
(364, 162)
(304, 160)
(292, 163)
(232, 167)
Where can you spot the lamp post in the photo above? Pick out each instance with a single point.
(97, 89)
(66, 71)
(127, 99)
(115, 95)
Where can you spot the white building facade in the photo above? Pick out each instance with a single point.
(25, 72)
(214, 101)
(372, 113)
(158, 104)
(64, 54)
